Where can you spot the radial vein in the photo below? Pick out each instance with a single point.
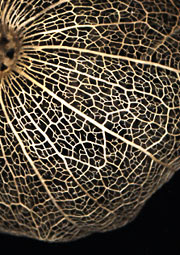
(103, 128)
(139, 61)
(30, 160)
(41, 12)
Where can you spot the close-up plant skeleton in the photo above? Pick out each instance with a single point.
(89, 113)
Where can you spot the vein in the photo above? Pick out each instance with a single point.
(139, 61)
(59, 154)
(24, 24)
(87, 118)
(30, 160)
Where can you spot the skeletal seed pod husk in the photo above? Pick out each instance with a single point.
(89, 113)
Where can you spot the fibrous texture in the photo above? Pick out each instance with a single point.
(89, 112)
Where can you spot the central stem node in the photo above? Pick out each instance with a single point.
(9, 50)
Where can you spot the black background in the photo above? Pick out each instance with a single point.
(156, 230)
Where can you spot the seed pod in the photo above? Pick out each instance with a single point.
(89, 113)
